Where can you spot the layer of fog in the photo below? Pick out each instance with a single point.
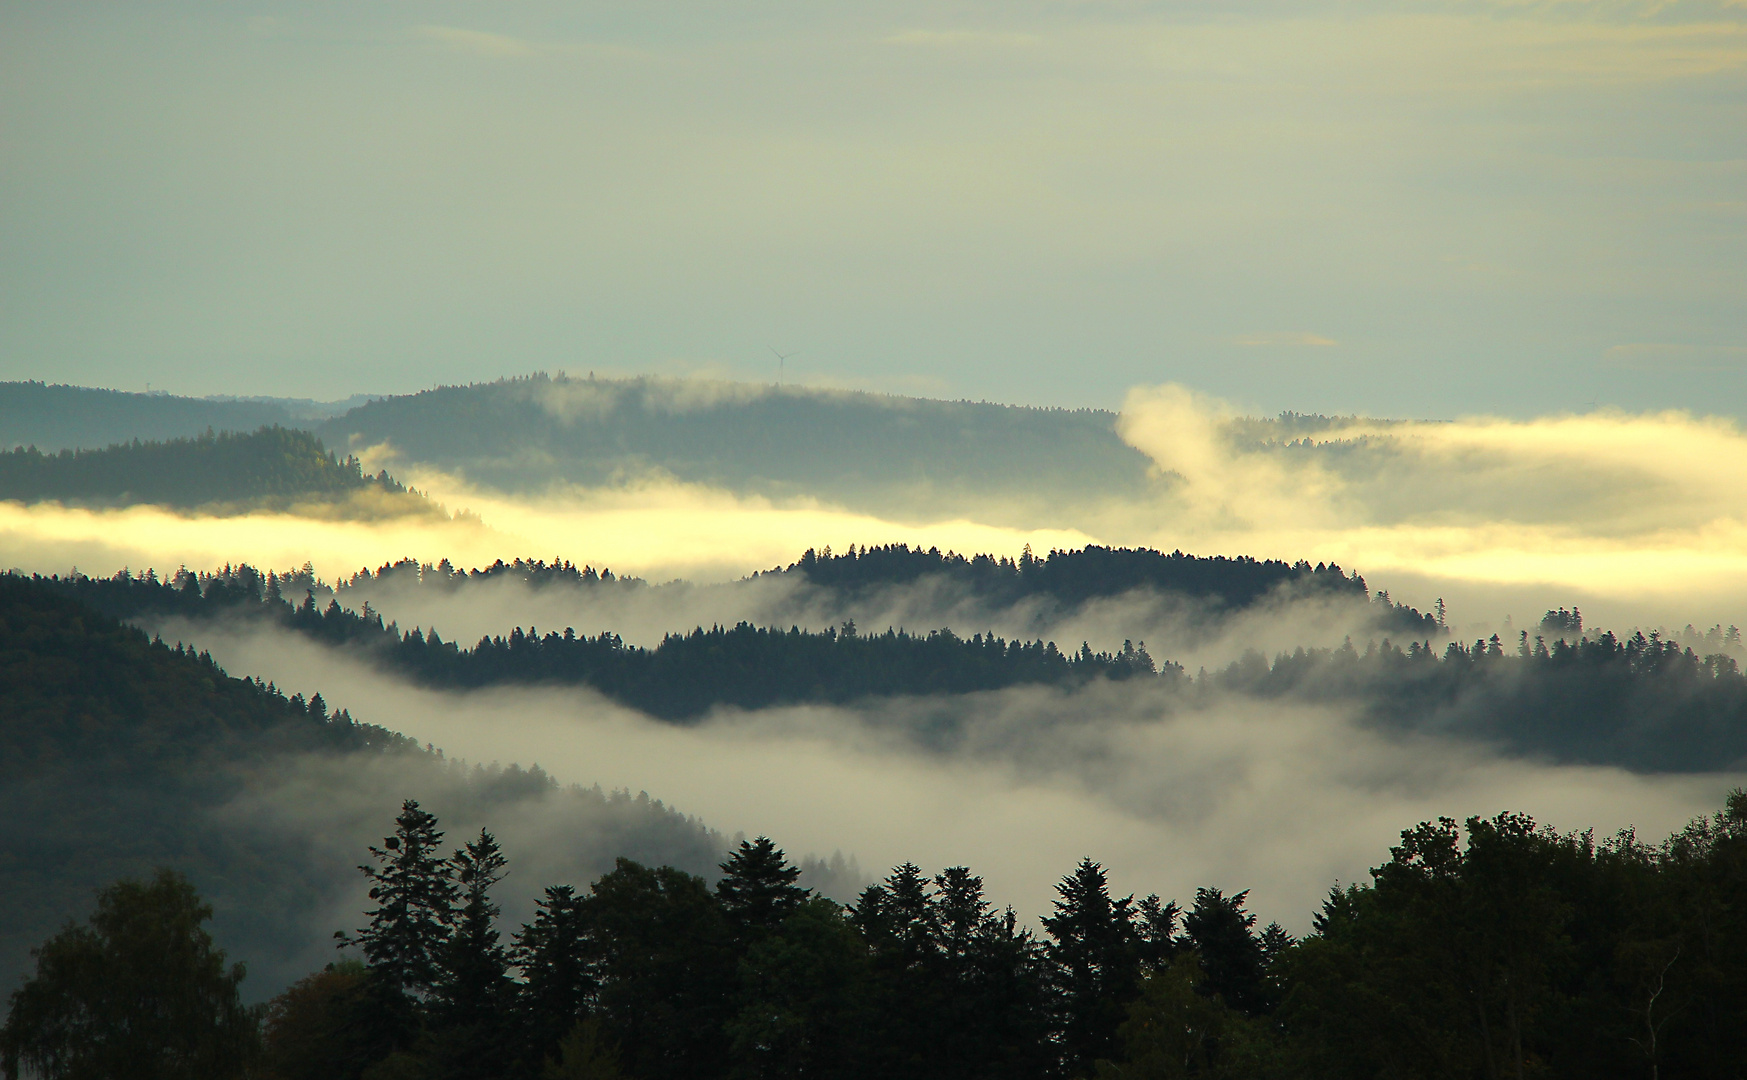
(324, 811)
(1017, 784)
(1644, 515)
(1172, 627)
(1640, 519)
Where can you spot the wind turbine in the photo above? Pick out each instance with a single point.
(781, 363)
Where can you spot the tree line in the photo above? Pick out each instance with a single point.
(684, 676)
(1495, 948)
(1072, 578)
(273, 464)
(1644, 701)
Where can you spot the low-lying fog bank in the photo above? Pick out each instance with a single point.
(1284, 800)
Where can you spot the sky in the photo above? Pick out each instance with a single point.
(1425, 209)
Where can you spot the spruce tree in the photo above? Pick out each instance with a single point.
(1094, 949)
(474, 977)
(557, 976)
(414, 889)
(1231, 954)
(470, 1039)
(758, 889)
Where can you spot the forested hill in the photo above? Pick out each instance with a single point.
(54, 418)
(119, 754)
(116, 750)
(1071, 578)
(879, 452)
(1639, 702)
(685, 676)
(272, 465)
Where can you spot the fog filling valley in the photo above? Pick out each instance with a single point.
(1170, 793)
(1637, 519)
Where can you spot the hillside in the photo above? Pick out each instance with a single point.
(1592, 697)
(271, 466)
(884, 453)
(54, 418)
(125, 754)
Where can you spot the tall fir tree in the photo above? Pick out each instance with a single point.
(471, 1037)
(758, 889)
(475, 978)
(558, 979)
(415, 894)
(1232, 955)
(1094, 950)
(414, 889)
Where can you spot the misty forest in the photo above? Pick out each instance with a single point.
(235, 851)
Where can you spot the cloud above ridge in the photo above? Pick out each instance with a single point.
(1634, 506)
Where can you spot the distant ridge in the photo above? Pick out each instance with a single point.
(896, 456)
(274, 466)
(880, 453)
(52, 417)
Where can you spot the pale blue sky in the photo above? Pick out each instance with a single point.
(1413, 209)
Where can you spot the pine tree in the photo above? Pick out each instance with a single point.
(758, 889)
(1094, 950)
(557, 977)
(415, 892)
(470, 1040)
(474, 979)
(1231, 954)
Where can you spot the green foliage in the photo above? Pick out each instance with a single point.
(315, 1029)
(414, 890)
(1175, 1030)
(801, 989)
(1094, 944)
(229, 782)
(583, 1054)
(101, 725)
(558, 980)
(139, 992)
(1068, 579)
(1521, 951)
(1642, 702)
(1229, 952)
(273, 465)
(1491, 949)
(663, 954)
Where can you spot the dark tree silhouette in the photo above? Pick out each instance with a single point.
(140, 991)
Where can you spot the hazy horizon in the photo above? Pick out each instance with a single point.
(1430, 209)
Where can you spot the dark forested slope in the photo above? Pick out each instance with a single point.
(114, 749)
(274, 465)
(118, 754)
(1068, 579)
(54, 418)
(1640, 702)
(682, 678)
